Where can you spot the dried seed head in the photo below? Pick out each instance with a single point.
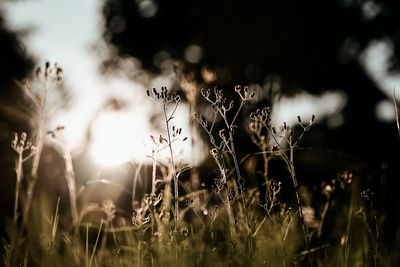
(299, 119)
(203, 92)
(238, 88)
(273, 130)
(231, 104)
(38, 72)
(246, 90)
(313, 118)
(23, 136)
(284, 125)
(14, 142)
(148, 93)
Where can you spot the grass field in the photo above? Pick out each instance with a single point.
(229, 223)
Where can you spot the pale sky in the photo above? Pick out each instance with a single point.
(64, 31)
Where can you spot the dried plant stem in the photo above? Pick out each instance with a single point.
(176, 195)
(226, 201)
(19, 173)
(231, 148)
(323, 214)
(36, 159)
(297, 191)
(396, 112)
(70, 178)
(240, 181)
(153, 174)
(290, 164)
(134, 183)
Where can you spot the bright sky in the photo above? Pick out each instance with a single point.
(64, 31)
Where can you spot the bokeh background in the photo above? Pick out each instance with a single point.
(338, 60)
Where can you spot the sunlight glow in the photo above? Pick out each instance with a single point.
(118, 137)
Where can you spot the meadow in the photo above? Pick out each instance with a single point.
(188, 218)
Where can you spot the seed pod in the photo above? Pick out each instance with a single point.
(23, 136)
(299, 119)
(38, 72)
(273, 130)
(313, 118)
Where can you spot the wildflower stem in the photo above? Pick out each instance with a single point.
(176, 196)
(36, 158)
(290, 165)
(19, 173)
(237, 113)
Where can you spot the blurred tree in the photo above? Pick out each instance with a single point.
(312, 45)
(15, 63)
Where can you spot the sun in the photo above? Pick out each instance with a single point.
(118, 137)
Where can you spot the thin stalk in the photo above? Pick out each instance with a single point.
(135, 178)
(323, 214)
(237, 113)
(70, 178)
(153, 174)
(231, 148)
(240, 181)
(226, 201)
(194, 175)
(176, 196)
(396, 112)
(290, 165)
(19, 173)
(95, 244)
(228, 207)
(297, 191)
(36, 157)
